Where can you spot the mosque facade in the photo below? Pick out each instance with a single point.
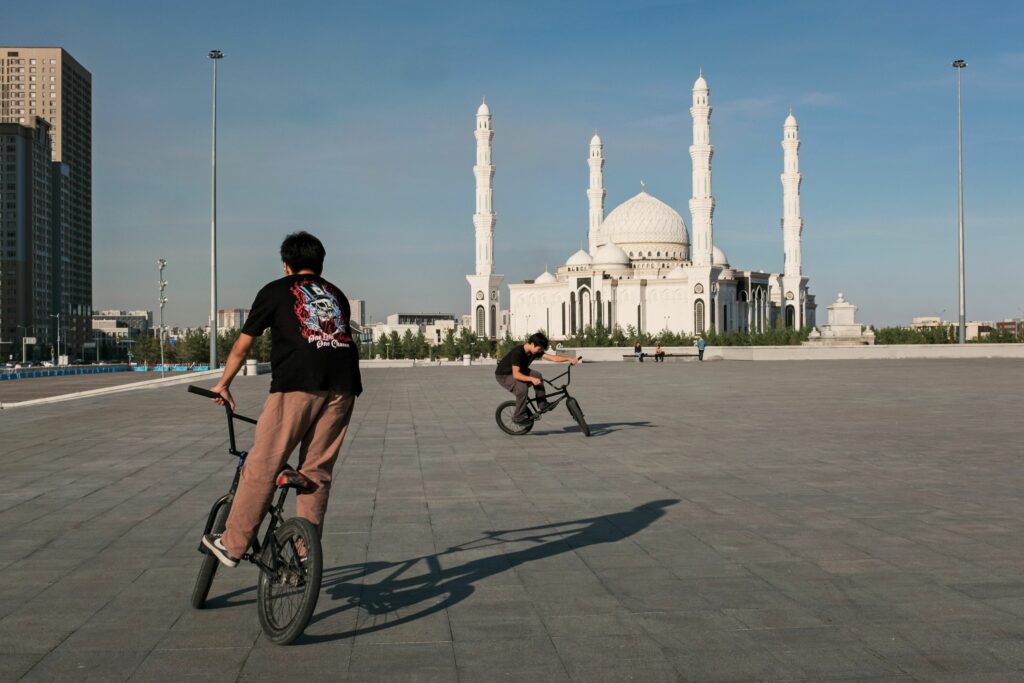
(641, 268)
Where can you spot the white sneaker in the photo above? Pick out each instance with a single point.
(214, 544)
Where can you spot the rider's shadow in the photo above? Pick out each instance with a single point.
(421, 586)
(597, 428)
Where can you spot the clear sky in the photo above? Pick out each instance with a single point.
(355, 121)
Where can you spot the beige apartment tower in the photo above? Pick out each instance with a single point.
(47, 84)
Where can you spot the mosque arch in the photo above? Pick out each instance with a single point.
(585, 308)
(790, 316)
(572, 312)
(481, 321)
(494, 321)
(698, 316)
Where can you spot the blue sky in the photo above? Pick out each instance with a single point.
(355, 121)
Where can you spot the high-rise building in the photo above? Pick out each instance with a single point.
(231, 319)
(47, 85)
(26, 247)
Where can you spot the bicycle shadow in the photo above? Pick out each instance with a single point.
(597, 428)
(402, 596)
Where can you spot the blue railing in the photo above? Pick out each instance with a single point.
(27, 373)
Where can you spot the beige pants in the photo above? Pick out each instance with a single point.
(315, 420)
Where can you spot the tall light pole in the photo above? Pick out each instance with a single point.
(959, 66)
(215, 56)
(161, 264)
(57, 316)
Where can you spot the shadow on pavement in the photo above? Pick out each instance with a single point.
(597, 428)
(421, 586)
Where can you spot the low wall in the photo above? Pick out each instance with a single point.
(29, 373)
(876, 352)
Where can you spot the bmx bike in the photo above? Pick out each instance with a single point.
(559, 392)
(289, 556)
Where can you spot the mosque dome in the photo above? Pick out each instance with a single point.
(718, 257)
(596, 140)
(545, 278)
(644, 220)
(790, 120)
(700, 83)
(484, 110)
(580, 258)
(611, 255)
(676, 273)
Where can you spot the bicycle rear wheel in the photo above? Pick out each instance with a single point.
(577, 414)
(289, 586)
(208, 568)
(503, 416)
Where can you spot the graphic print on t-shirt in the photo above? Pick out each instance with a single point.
(321, 319)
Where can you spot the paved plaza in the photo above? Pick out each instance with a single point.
(727, 521)
(29, 388)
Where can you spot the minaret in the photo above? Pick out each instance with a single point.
(484, 218)
(702, 204)
(596, 192)
(484, 285)
(792, 223)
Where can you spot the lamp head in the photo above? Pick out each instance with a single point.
(216, 54)
(959, 64)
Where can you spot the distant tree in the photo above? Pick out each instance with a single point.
(195, 347)
(225, 340)
(261, 347)
(506, 344)
(448, 346)
(393, 345)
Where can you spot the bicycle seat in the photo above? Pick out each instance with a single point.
(290, 479)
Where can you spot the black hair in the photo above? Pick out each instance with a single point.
(302, 251)
(538, 339)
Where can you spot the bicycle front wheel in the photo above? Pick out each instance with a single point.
(289, 582)
(503, 416)
(577, 414)
(210, 563)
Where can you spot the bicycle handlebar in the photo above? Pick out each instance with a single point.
(193, 389)
(567, 370)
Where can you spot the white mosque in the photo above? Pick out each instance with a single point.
(641, 269)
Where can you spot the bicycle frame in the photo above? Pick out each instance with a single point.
(276, 518)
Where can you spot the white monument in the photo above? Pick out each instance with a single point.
(842, 327)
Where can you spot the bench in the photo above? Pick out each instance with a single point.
(632, 356)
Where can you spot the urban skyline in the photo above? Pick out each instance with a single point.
(377, 163)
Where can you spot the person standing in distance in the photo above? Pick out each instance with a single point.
(700, 347)
(315, 380)
(514, 373)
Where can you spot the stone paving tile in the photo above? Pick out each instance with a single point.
(695, 536)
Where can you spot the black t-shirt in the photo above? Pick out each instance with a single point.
(311, 343)
(516, 357)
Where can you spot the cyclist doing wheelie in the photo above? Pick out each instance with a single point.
(514, 374)
(315, 381)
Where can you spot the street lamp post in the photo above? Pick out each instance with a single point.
(57, 316)
(215, 56)
(24, 333)
(959, 66)
(161, 264)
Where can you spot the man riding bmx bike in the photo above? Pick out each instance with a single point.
(514, 373)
